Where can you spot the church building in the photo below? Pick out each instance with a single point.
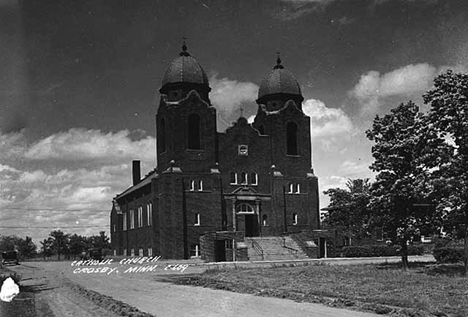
(212, 193)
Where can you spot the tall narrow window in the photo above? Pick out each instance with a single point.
(192, 185)
(200, 185)
(254, 178)
(261, 129)
(194, 132)
(124, 220)
(197, 220)
(291, 188)
(149, 214)
(132, 219)
(298, 188)
(140, 217)
(294, 219)
(233, 178)
(244, 178)
(264, 220)
(162, 135)
(291, 132)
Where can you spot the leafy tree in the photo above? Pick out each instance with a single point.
(47, 247)
(448, 117)
(100, 241)
(59, 242)
(8, 243)
(348, 209)
(26, 247)
(77, 244)
(400, 146)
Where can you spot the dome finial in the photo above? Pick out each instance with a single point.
(278, 61)
(184, 47)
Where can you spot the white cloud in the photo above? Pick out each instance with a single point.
(66, 179)
(228, 96)
(410, 80)
(81, 144)
(326, 122)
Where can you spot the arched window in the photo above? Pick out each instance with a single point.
(245, 208)
(194, 132)
(244, 178)
(162, 135)
(254, 178)
(261, 129)
(291, 132)
(233, 178)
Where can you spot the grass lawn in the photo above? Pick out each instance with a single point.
(384, 289)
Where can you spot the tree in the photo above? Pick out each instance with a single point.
(59, 242)
(400, 146)
(348, 209)
(101, 241)
(77, 244)
(47, 248)
(448, 117)
(26, 247)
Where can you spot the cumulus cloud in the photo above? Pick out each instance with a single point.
(326, 121)
(409, 80)
(228, 96)
(67, 179)
(81, 144)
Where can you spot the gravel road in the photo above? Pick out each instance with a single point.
(55, 295)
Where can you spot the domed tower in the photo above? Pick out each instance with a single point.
(183, 75)
(278, 87)
(280, 116)
(186, 120)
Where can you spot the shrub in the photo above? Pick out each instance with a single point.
(449, 255)
(379, 250)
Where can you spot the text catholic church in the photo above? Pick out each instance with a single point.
(211, 190)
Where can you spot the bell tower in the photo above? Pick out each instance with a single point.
(185, 120)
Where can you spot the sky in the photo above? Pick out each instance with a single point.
(79, 84)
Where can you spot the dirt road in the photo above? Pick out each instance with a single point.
(147, 292)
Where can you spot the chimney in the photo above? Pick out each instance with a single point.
(136, 172)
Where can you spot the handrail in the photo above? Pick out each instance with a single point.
(290, 250)
(257, 248)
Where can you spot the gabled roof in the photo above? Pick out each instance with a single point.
(145, 181)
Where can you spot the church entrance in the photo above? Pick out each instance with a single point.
(251, 225)
(247, 220)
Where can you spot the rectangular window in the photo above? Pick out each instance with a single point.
(140, 217)
(200, 185)
(115, 252)
(124, 220)
(229, 244)
(298, 188)
(125, 252)
(195, 250)
(132, 219)
(132, 252)
(150, 251)
(192, 185)
(197, 220)
(294, 219)
(140, 252)
(291, 188)
(149, 214)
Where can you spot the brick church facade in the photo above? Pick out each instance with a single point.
(212, 189)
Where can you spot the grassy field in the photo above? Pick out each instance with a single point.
(424, 290)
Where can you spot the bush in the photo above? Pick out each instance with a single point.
(378, 250)
(449, 254)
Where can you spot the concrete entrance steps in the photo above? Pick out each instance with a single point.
(274, 248)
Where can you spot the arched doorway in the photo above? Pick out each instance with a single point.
(247, 220)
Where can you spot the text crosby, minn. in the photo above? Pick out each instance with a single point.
(101, 269)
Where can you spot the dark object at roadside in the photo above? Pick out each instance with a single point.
(10, 257)
(379, 250)
(449, 254)
(93, 254)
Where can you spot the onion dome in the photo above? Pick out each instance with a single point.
(279, 84)
(184, 70)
